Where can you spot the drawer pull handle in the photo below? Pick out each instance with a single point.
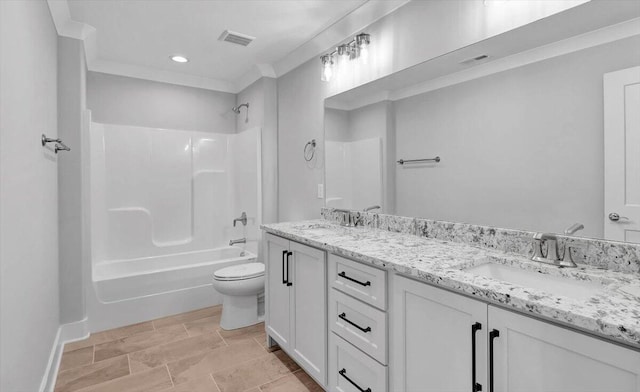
(344, 275)
(343, 373)
(284, 268)
(343, 316)
(475, 386)
(492, 335)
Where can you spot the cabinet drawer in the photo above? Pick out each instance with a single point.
(366, 283)
(351, 370)
(360, 324)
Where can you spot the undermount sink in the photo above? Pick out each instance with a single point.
(552, 284)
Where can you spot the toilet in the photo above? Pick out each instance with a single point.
(241, 286)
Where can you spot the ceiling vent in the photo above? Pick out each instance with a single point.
(236, 38)
(474, 59)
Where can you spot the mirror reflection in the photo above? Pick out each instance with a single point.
(549, 146)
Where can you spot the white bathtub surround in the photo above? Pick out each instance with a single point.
(612, 312)
(162, 209)
(354, 173)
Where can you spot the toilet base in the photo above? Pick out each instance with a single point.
(239, 312)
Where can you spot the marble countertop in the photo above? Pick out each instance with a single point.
(613, 312)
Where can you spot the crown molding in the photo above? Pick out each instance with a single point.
(160, 75)
(363, 16)
(256, 73)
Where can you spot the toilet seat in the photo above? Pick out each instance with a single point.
(240, 272)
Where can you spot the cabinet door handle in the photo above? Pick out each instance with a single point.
(343, 316)
(475, 386)
(288, 282)
(284, 254)
(344, 275)
(492, 335)
(343, 373)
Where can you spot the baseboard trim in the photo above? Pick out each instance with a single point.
(66, 333)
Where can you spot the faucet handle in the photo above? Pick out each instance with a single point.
(537, 248)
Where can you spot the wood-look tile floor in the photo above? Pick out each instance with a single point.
(188, 352)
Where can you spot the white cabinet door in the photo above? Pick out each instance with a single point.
(433, 339)
(278, 323)
(531, 355)
(309, 310)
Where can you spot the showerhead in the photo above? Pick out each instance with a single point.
(236, 109)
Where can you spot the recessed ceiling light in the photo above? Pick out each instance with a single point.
(179, 59)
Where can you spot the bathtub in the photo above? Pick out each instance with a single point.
(135, 290)
(124, 280)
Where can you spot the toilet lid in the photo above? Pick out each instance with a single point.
(240, 271)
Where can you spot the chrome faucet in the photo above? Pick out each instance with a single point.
(346, 217)
(371, 208)
(349, 218)
(573, 228)
(238, 241)
(243, 219)
(552, 255)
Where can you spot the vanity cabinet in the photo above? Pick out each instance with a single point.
(437, 339)
(535, 356)
(296, 302)
(442, 341)
(358, 323)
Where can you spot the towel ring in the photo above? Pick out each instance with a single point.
(310, 150)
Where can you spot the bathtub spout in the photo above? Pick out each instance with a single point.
(239, 241)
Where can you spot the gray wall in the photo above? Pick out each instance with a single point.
(262, 96)
(129, 101)
(398, 42)
(301, 96)
(71, 102)
(520, 149)
(28, 195)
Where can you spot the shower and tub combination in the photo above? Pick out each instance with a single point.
(165, 207)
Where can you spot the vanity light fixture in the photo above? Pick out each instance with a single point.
(327, 67)
(362, 41)
(357, 48)
(179, 59)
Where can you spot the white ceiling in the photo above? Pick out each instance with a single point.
(137, 37)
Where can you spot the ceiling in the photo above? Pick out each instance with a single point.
(141, 35)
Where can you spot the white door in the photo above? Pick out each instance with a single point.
(309, 310)
(278, 322)
(434, 336)
(534, 356)
(622, 155)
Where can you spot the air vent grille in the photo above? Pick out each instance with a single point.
(236, 38)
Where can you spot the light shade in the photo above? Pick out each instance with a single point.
(179, 59)
(327, 68)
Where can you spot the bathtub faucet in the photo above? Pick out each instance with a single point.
(240, 241)
(243, 219)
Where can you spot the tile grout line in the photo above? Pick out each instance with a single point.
(240, 363)
(186, 330)
(169, 373)
(271, 381)
(263, 347)
(223, 340)
(214, 382)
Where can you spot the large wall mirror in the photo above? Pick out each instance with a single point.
(542, 134)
